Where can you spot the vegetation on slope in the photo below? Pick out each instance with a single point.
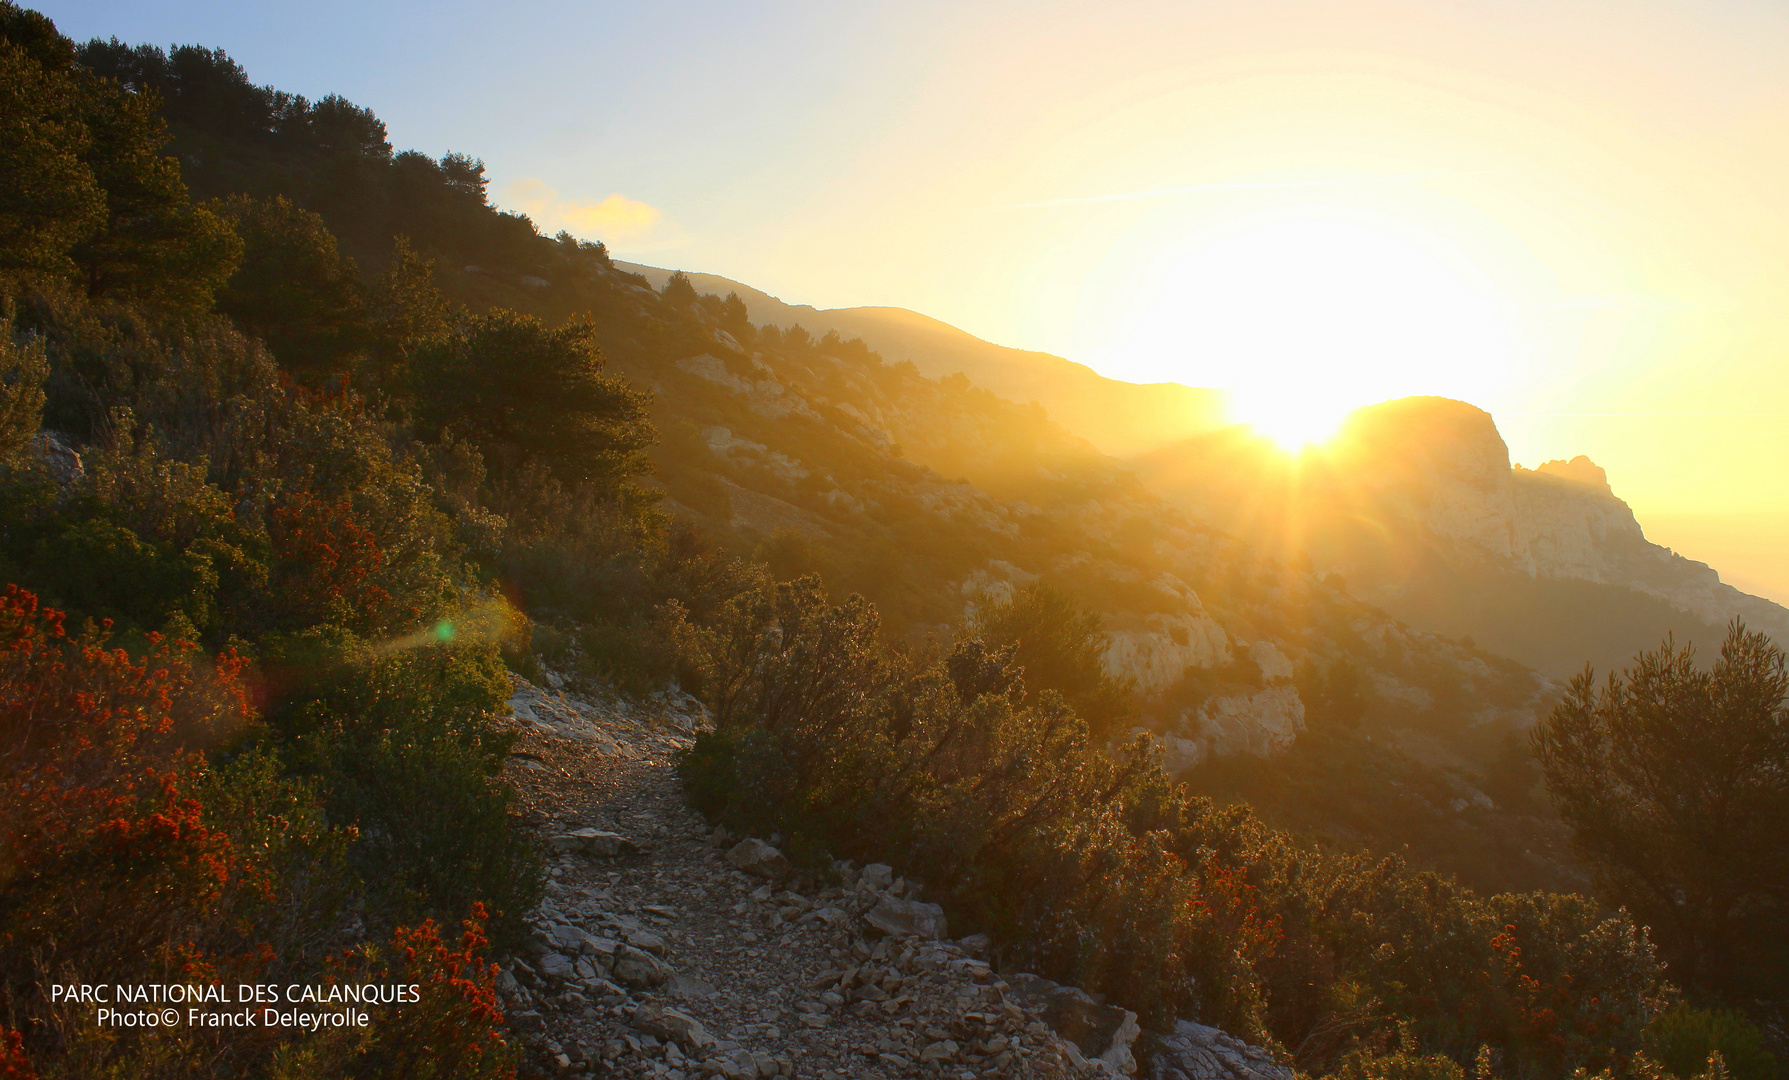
(262, 629)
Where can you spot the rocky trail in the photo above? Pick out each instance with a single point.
(666, 948)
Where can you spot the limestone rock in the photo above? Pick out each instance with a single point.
(593, 842)
(942, 1050)
(678, 1026)
(58, 457)
(1260, 722)
(1100, 1032)
(1156, 654)
(877, 876)
(557, 966)
(1196, 1052)
(759, 859)
(636, 967)
(897, 917)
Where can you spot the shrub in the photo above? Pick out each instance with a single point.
(14, 1065)
(403, 745)
(1682, 1040)
(125, 855)
(1671, 778)
(1063, 649)
(1096, 870)
(454, 1029)
(22, 373)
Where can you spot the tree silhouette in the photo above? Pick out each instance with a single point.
(523, 393)
(1675, 782)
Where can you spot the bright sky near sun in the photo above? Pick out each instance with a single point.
(1570, 213)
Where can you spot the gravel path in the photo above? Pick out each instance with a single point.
(655, 955)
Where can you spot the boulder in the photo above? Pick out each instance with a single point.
(567, 939)
(896, 917)
(1100, 1032)
(675, 1026)
(637, 968)
(58, 457)
(942, 1050)
(877, 876)
(759, 859)
(976, 944)
(600, 949)
(1196, 1052)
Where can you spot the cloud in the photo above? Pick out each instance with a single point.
(614, 218)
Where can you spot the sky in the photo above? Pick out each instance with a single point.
(1570, 213)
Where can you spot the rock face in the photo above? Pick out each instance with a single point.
(1255, 720)
(1196, 1052)
(1103, 1033)
(1440, 466)
(1156, 654)
(1258, 723)
(58, 457)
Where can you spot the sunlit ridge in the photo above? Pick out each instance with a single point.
(1309, 312)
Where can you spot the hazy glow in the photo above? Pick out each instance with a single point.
(1018, 170)
(1311, 312)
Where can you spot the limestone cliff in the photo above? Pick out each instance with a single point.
(1416, 508)
(1444, 463)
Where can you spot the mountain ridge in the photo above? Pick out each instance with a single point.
(1118, 417)
(1581, 539)
(1418, 507)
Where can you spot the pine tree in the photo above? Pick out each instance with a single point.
(1675, 781)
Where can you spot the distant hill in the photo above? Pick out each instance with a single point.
(1119, 418)
(1416, 508)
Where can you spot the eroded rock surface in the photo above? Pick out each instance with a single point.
(1197, 1052)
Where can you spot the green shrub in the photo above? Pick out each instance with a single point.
(1681, 1041)
(404, 748)
(1098, 871)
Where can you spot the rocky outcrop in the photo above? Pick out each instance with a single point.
(1261, 722)
(1103, 1033)
(1439, 467)
(759, 859)
(1196, 1052)
(763, 393)
(1156, 655)
(59, 458)
(898, 917)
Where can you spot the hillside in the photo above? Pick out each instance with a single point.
(1119, 418)
(812, 452)
(1544, 566)
(318, 470)
(1416, 508)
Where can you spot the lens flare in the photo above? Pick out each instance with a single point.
(490, 621)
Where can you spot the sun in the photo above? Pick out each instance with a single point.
(1291, 419)
(1308, 313)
